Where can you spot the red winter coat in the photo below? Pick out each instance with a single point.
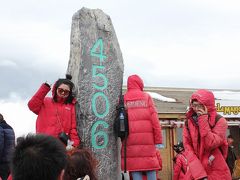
(180, 166)
(202, 144)
(144, 128)
(9, 177)
(53, 117)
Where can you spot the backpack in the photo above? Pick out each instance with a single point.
(121, 121)
(224, 147)
(121, 126)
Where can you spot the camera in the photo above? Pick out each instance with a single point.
(63, 137)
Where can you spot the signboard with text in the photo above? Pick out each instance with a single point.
(228, 108)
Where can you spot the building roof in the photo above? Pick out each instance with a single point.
(181, 96)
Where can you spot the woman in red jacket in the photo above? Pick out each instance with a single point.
(204, 139)
(144, 131)
(56, 115)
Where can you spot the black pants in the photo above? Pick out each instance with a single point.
(4, 171)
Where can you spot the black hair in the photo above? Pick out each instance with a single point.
(81, 162)
(194, 100)
(1, 118)
(230, 136)
(68, 82)
(38, 157)
(19, 139)
(178, 147)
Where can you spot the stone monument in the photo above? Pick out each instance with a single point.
(96, 65)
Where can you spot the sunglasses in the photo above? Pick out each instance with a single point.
(197, 105)
(63, 91)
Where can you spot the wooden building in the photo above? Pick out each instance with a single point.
(172, 116)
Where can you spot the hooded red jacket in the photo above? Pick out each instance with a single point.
(53, 117)
(144, 128)
(202, 143)
(180, 167)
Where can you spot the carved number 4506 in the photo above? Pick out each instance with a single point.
(97, 51)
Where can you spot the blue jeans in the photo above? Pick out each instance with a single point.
(137, 175)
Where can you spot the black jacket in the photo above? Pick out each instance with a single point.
(231, 157)
(7, 141)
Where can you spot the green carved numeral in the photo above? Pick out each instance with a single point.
(97, 50)
(95, 135)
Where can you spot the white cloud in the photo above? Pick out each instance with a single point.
(227, 95)
(7, 64)
(183, 40)
(17, 115)
(48, 44)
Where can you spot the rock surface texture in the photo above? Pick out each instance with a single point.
(96, 65)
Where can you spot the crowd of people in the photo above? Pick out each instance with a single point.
(53, 153)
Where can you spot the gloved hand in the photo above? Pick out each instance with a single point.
(69, 146)
(159, 146)
(85, 178)
(47, 84)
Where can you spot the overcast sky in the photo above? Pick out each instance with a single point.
(171, 43)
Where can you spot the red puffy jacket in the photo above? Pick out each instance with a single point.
(203, 143)
(144, 128)
(144, 175)
(180, 166)
(53, 117)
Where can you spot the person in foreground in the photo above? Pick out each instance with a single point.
(38, 157)
(144, 132)
(56, 114)
(204, 138)
(81, 164)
